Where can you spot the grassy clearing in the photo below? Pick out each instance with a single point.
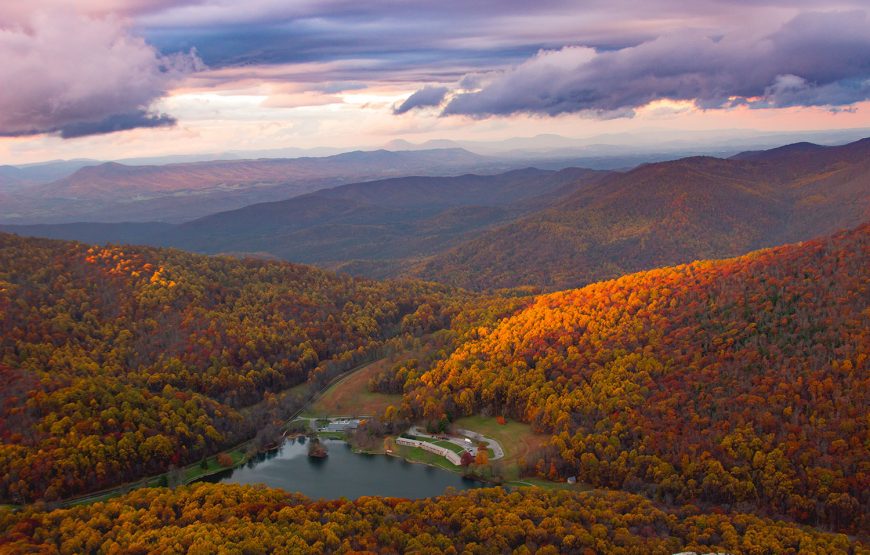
(332, 435)
(195, 472)
(300, 421)
(448, 445)
(350, 396)
(517, 439)
(546, 484)
(419, 455)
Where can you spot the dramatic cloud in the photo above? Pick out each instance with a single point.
(116, 122)
(335, 72)
(76, 75)
(427, 96)
(409, 43)
(816, 59)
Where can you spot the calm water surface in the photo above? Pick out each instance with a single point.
(342, 474)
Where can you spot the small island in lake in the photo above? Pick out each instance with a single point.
(316, 449)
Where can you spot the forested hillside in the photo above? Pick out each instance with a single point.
(376, 227)
(739, 382)
(373, 229)
(117, 362)
(669, 213)
(241, 519)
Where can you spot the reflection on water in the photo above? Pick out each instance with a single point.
(342, 474)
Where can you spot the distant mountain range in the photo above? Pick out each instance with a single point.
(181, 187)
(550, 229)
(113, 192)
(653, 144)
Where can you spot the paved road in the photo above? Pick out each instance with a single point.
(497, 451)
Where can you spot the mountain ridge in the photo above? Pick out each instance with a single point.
(667, 213)
(542, 228)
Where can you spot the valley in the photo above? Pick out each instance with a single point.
(722, 383)
(434, 277)
(399, 390)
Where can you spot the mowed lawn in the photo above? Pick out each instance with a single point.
(517, 439)
(351, 396)
(419, 455)
(195, 471)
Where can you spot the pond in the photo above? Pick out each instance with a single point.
(342, 474)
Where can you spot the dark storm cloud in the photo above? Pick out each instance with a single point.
(109, 124)
(427, 96)
(815, 59)
(486, 32)
(607, 57)
(273, 31)
(304, 41)
(116, 122)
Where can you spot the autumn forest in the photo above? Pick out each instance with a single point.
(726, 398)
(242, 314)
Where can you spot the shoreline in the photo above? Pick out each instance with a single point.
(424, 463)
(148, 481)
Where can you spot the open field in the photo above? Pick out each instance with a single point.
(517, 439)
(350, 396)
(195, 471)
(546, 484)
(332, 435)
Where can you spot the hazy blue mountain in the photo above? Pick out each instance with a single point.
(113, 192)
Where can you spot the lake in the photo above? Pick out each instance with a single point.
(342, 474)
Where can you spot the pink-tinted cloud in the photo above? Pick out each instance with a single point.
(816, 59)
(75, 74)
(20, 11)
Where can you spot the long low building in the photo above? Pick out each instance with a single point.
(432, 448)
(341, 425)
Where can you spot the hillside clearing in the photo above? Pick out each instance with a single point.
(517, 439)
(351, 397)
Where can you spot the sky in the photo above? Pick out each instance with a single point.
(110, 79)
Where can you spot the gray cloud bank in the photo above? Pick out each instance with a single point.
(99, 78)
(116, 122)
(815, 59)
(427, 96)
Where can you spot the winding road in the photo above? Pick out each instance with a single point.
(497, 451)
